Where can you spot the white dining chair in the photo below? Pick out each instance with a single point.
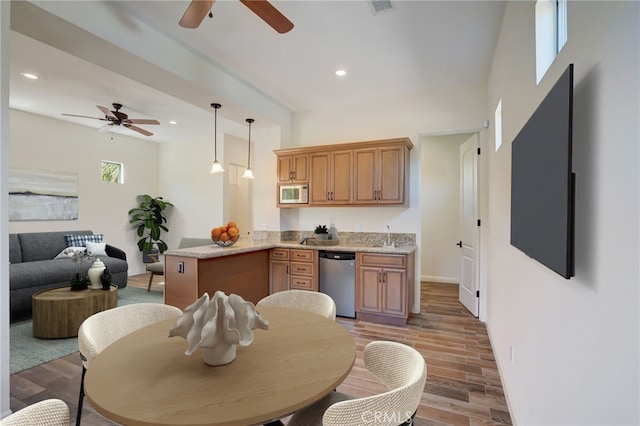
(304, 300)
(102, 329)
(400, 367)
(49, 412)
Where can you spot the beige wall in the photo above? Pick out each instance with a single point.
(575, 342)
(43, 144)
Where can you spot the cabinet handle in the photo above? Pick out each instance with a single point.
(287, 269)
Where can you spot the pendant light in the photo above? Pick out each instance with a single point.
(216, 167)
(248, 173)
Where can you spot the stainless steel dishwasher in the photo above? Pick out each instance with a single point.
(338, 280)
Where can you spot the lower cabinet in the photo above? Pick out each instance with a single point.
(293, 269)
(384, 287)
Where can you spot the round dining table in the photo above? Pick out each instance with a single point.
(145, 378)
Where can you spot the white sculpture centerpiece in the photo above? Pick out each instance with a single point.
(217, 325)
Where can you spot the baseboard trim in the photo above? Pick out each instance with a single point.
(502, 371)
(440, 279)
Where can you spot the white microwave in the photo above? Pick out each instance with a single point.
(294, 194)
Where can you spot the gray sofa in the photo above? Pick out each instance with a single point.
(33, 267)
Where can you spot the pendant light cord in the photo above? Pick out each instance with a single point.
(249, 120)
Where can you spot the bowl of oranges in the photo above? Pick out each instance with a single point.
(226, 235)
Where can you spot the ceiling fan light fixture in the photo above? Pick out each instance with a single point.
(216, 167)
(248, 173)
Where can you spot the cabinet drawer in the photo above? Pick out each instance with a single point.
(374, 259)
(298, 268)
(302, 255)
(302, 283)
(279, 253)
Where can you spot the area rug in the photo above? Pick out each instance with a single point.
(27, 351)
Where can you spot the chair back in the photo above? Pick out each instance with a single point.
(50, 412)
(403, 370)
(312, 301)
(102, 329)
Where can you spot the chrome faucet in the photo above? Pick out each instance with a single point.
(388, 243)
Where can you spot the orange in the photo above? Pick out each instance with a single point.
(232, 224)
(215, 232)
(223, 229)
(233, 231)
(224, 237)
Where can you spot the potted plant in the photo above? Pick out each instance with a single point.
(149, 221)
(321, 232)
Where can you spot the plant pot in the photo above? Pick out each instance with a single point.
(322, 237)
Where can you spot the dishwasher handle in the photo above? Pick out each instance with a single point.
(337, 255)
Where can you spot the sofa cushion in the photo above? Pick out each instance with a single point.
(69, 252)
(80, 240)
(43, 245)
(96, 249)
(15, 252)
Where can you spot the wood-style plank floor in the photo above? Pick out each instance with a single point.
(463, 385)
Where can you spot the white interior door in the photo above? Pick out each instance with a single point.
(469, 226)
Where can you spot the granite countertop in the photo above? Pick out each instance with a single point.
(246, 245)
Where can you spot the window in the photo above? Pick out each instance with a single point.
(112, 172)
(551, 33)
(498, 123)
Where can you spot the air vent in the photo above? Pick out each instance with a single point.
(381, 6)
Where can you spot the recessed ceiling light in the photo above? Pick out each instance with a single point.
(173, 122)
(29, 75)
(341, 73)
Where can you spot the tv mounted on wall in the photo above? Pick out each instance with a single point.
(542, 181)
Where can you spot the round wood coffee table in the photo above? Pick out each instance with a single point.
(58, 313)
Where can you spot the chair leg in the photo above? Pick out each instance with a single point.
(151, 274)
(80, 397)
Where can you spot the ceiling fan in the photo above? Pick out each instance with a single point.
(198, 9)
(118, 118)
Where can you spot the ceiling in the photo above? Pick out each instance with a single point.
(415, 47)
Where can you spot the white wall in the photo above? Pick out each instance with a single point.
(575, 342)
(43, 144)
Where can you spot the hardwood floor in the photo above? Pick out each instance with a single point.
(463, 385)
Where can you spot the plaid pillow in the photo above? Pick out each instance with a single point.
(74, 240)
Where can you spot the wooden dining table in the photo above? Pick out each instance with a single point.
(145, 378)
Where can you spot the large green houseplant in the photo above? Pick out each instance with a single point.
(149, 221)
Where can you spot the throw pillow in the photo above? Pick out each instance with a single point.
(69, 251)
(96, 249)
(74, 240)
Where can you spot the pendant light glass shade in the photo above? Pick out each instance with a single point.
(248, 173)
(216, 167)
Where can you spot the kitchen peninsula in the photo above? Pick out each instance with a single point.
(244, 269)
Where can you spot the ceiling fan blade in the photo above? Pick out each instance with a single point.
(269, 14)
(195, 13)
(107, 112)
(84, 116)
(142, 121)
(138, 129)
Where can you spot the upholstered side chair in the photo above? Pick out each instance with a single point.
(50, 412)
(102, 329)
(400, 367)
(312, 301)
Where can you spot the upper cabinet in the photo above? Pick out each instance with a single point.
(350, 174)
(380, 175)
(331, 177)
(293, 168)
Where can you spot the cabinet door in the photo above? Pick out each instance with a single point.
(369, 290)
(341, 183)
(319, 178)
(365, 171)
(278, 276)
(394, 292)
(293, 168)
(391, 175)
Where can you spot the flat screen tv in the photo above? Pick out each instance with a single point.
(543, 183)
